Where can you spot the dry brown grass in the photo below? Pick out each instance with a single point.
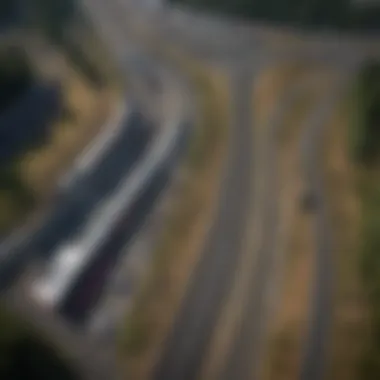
(37, 170)
(271, 84)
(289, 325)
(89, 108)
(292, 272)
(350, 330)
(188, 222)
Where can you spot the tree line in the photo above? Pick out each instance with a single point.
(306, 13)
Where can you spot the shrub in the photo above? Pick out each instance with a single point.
(15, 75)
(365, 128)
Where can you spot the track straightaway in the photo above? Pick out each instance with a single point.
(192, 331)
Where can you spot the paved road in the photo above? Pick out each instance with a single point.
(188, 342)
(244, 355)
(140, 192)
(222, 42)
(191, 333)
(73, 205)
(79, 303)
(193, 328)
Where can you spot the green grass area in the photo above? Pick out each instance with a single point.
(365, 149)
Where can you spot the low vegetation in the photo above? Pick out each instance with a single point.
(365, 131)
(349, 328)
(352, 168)
(88, 92)
(16, 198)
(364, 139)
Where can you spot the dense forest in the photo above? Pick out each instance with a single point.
(306, 13)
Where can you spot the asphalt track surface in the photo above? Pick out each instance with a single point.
(75, 204)
(193, 327)
(84, 294)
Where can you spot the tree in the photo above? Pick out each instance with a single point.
(51, 16)
(310, 13)
(15, 74)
